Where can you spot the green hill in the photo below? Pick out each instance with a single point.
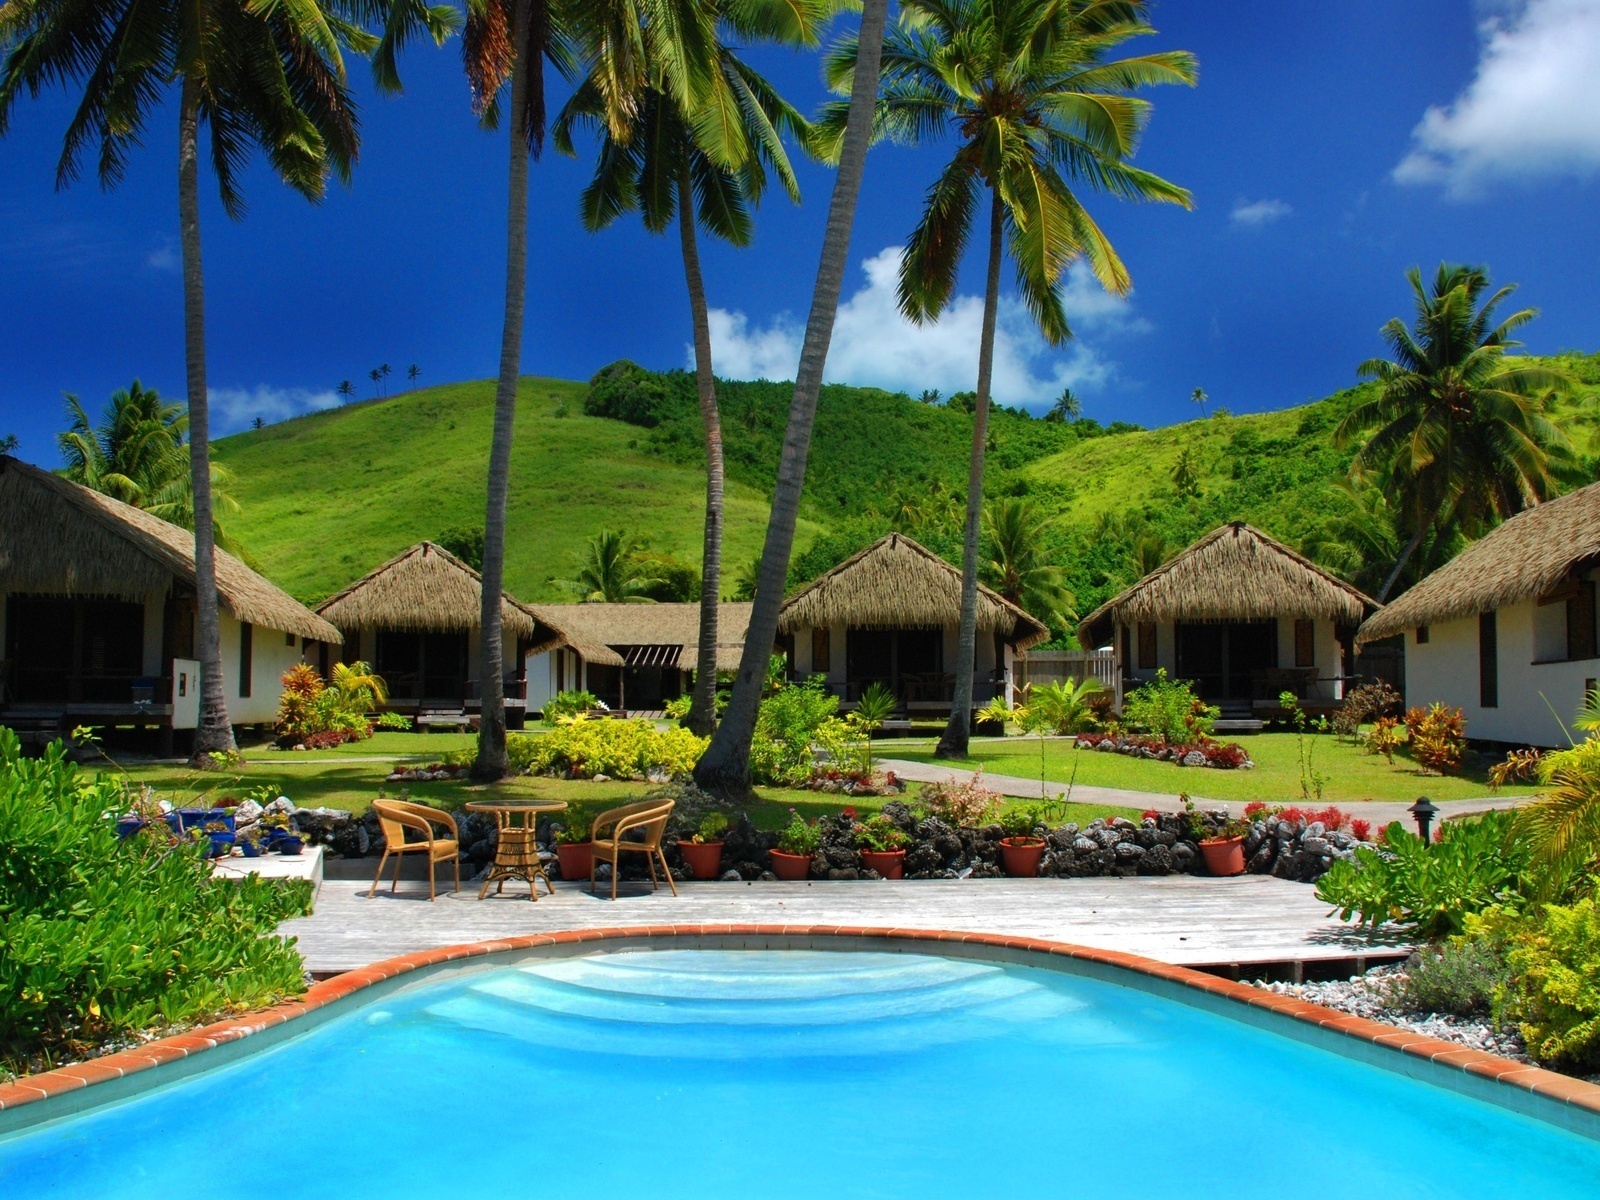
(326, 497)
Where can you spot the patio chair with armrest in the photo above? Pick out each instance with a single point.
(647, 821)
(397, 816)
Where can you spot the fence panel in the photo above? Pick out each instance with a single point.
(1054, 666)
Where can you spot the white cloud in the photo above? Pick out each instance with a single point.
(164, 257)
(1258, 212)
(873, 345)
(233, 409)
(1533, 109)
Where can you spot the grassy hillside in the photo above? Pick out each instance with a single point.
(326, 498)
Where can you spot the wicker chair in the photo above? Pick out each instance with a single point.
(397, 816)
(647, 818)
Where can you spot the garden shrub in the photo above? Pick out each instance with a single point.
(331, 713)
(1168, 709)
(564, 705)
(101, 938)
(1461, 976)
(963, 805)
(792, 719)
(1062, 706)
(1473, 865)
(621, 749)
(1363, 704)
(1554, 993)
(1438, 737)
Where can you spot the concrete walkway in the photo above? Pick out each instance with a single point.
(1379, 812)
(1249, 919)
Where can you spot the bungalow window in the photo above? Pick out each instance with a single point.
(821, 651)
(1422, 635)
(1147, 647)
(1305, 643)
(1488, 662)
(1581, 622)
(247, 636)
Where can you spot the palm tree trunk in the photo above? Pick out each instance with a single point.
(703, 708)
(491, 763)
(957, 731)
(214, 733)
(1405, 555)
(725, 766)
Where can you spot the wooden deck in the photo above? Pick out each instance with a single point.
(1215, 923)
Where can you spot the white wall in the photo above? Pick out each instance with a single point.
(1445, 670)
(272, 652)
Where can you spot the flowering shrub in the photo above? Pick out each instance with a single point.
(963, 805)
(1385, 737)
(1361, 829)
(621, 749)
(1226, 756)
(1438, 737)
(330, 714)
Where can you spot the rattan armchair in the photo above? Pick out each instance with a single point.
(647, 819)
(397, 816)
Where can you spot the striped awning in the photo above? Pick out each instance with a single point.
(650, 656)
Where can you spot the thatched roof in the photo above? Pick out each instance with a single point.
(425, 589)
(1530, 555)
(60, 538)
(1235, 573)
(896, 584)
(640, 634)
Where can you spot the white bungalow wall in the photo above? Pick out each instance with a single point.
(1536, 695)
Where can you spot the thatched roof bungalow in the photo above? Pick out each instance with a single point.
(1242, 616)
(97, 614)
(416, 620)
(891, 614)
(1506, 630)
(632, 656)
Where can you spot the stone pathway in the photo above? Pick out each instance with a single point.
(1379, 812)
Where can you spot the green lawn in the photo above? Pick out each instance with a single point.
(1351, 774)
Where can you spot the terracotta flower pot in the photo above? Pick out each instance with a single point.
(891, 864)
(702, 858)
(790, 866)
(1224, 856)
(1020, 856)
(576, 859)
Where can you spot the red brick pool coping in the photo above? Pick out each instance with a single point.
(1562, 1089)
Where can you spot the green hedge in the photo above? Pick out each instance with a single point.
(101, 938)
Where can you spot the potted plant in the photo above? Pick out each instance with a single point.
(702, 853)
(574, 852)
(220, 833)
(882, 845)
(1021, 849)
(1221, 846)
(249, 843)
(796, 844)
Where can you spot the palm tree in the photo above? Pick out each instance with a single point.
(347, 390)
(930, 396)
(1361, 540)
(375, 375)
(267, 76)
(725, 766)
(1147, 552)
(1017, 565)
(610, 570)
(135, 449)
(1031, 92)
(1185, 474)
(1460, 431)
(671, 162)
(1067, 408)
(1199, 397)
(412, 373)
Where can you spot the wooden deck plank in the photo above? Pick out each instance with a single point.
(1177, 919)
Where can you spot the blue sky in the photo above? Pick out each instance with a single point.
(1328, 146)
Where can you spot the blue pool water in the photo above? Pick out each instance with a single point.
(703, 1073)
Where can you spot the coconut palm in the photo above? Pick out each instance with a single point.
(1017, 565)
(1067, 407)
(258, 76)
(661, 166)
(1198, 397)
(725, 766)
(1459, 430)
(1035, 99)
(1362, 539)
(1186, 473)
(610, 569)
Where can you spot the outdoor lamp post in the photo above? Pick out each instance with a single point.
(1424, 810)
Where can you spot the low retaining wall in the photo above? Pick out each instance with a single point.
(1544, 1095)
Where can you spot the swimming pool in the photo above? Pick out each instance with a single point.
(696, 1072)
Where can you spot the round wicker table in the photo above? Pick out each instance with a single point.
(516, 854)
